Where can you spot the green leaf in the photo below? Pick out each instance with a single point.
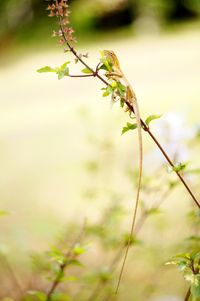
(61, 74)
(121, 89)
(63, 70)
(78, 249)
(153, 211)
(122, 101)
(107, 91)
(195, 292)
(87, 71)
(193, 238)
(40, 295)
(190, 277)
(186, 256)
(114, 84)
(69, 278)
(63, 67)
(106, 63)
(151, 118)
(133, 239)
(105, 275)
(129, 126)
(46, 69)
(180, 166)
(180, 259)
(75, 262)
(182, 265)
(57, 296)
(103, 67)
(56, 255)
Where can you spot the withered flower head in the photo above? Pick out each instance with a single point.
(60, 9)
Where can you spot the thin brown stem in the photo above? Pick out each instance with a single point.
(62, 267)
(120, 253)
(173, 166)
(81, 75)
(144, 126)
(187, 296)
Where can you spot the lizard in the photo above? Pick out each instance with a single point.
(131, 101)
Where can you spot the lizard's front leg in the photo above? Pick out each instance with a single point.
(114, 75)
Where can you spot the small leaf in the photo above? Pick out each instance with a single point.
(106, 63)
(182, 265)
(151, 118)
(103, 67)
(61, 74)
(46, 69)
(170, 262)
(129, 126)
(193, 238)
(57, 296)
(121, 89)
(66, 71)
(108, 90)
(63, 67)
(78, 249)
(114, 84)
(75, 262)
(190, 277)
(40, 295)
(122, 101)
(133, 239)
(180, 166)
(195, 292)
(87, 71)
(105, 275)
(56, 255)
(183, 255)
(69, 278)
(153, 211)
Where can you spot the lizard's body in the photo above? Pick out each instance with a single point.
(131, 99)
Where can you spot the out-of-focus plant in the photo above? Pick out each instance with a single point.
(114, 88)
(62, 264)
(70, 269)
(189, 265)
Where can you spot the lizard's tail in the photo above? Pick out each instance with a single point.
(135, 208)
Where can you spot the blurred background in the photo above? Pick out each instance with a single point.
(62, 155)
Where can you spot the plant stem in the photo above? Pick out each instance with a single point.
(187, 296)
(145, 127)
(172, 165)
(63, 266)
(81, 75)
(113, 265)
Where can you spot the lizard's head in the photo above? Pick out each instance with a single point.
(111, 57)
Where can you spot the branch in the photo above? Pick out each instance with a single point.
(64, 265)
(81, 75)
(187, 296)
(120, 253)
(144, 126)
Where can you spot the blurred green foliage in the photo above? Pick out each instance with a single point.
(28, 17)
